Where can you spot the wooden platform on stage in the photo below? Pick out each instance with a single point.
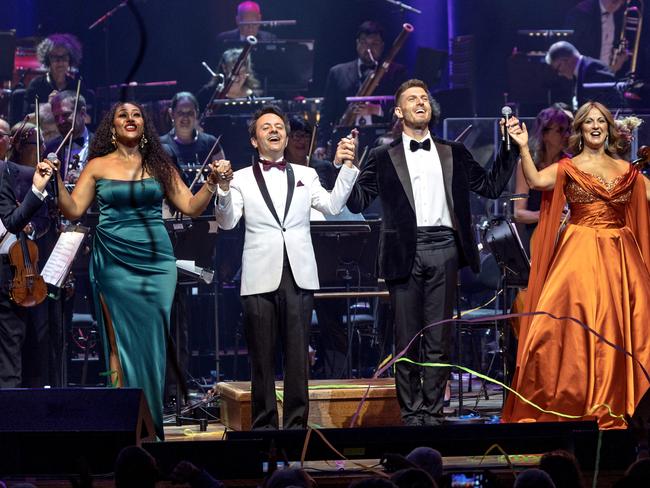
(332, 403)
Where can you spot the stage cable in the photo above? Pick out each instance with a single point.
(399, 357)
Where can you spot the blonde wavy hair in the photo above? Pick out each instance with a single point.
(576, 145)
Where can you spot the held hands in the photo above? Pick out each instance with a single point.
(44, 171)
(221, 174)
(346, 149)
(518, 134)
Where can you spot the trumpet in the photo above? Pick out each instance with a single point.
(630, 35)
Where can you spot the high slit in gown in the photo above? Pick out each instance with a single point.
(133, 271)
(596, 270)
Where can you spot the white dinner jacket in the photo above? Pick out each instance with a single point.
(265, 239)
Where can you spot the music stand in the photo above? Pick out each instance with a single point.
(344, 249)
(285, 67)
(194, 241)
(504, 243)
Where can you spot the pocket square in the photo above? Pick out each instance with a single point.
(300, 183)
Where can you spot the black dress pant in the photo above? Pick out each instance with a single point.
(426, 296)
(283, 314)
(13, 326)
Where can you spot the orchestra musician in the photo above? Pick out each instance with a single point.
(5, 137)
(245, 84)
(185, 143)
(21, 210)
(279, 272)
(423, 183)
(246, 12)
(596, 26)
(23, 144)
(61, 54)
(345, 79)
(549, 141)
(568, 63)
(62, 105)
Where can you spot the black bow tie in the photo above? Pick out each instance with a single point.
(415, 145)
(267, 165)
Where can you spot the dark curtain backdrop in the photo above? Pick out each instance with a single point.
(181, 33)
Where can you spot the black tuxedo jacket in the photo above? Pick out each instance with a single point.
(584, 20)
(592, 70)
(15, 187)
(343, 81)
(386, 175)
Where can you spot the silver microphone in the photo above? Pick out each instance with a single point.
(506, 111)
(52, 158)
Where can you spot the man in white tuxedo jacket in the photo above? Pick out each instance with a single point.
(279, 271)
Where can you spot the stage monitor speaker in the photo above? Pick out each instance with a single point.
(57, 430)
(450, 440)
(224, 459)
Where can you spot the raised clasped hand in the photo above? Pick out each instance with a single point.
(346, 149)
(223, 173)
(518, 132)
(44, 171)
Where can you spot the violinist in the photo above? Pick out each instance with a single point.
(17, 184)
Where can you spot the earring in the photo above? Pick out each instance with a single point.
(607, 143)
(143, 141)
(580, 144)
(113, 139)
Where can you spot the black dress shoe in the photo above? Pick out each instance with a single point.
(412, 421)
(432, 421)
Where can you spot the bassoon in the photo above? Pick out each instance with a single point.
(372, 81)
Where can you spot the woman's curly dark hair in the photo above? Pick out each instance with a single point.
(67, 41)
(154, 158)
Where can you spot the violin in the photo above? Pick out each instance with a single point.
(643, 158)
(27, 288)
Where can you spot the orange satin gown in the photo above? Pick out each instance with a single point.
(596, 270)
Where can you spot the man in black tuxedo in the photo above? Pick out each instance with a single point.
(345, 79)
(596, 26)
(17, 184)
(246, 12)
(567, 62)
(426, 236)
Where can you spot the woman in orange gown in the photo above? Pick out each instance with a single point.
(597, 270)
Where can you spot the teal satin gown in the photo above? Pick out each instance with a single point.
(133, 270)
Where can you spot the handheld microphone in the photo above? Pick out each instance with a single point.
(52, 158)
(506, 111)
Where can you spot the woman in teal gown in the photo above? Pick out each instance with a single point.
(133, 269)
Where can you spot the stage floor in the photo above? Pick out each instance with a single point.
(474, 400)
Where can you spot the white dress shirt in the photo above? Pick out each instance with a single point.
(425, 172)
(607, 30)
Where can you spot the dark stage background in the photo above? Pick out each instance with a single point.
(181, 33)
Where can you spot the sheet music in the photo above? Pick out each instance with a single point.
(59, 263)
(6, 242)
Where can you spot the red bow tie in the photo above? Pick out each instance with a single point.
(267, 165)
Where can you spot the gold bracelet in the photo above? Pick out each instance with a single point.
(212, 187)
